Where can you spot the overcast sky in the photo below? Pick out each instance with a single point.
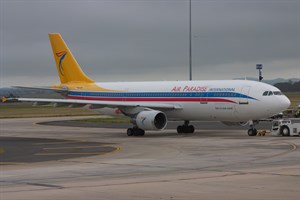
(136, 40)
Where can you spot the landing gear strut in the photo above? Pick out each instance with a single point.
(252, 131)
(186, 128)
(135, 131)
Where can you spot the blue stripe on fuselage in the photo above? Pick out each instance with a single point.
(161, 94)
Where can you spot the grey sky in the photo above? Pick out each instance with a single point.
(135, 40)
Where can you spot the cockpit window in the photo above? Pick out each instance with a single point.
(270, 93)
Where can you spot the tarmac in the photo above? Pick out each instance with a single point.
(41, 159)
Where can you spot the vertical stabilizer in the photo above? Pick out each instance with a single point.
(67, 67)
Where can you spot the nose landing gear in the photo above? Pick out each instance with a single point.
(252, 131)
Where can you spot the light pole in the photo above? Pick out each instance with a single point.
(190, 40)
(259, 68)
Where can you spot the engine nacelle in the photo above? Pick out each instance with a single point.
(151, 120)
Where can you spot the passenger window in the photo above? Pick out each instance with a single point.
(265, 93)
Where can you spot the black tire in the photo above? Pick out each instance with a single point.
(252, 132)
(285, 131)
(138, 132)
(135, 132)
(186, 129)
(255, 132)
(179, 129)
(141, 132)
(191, 129)
(130, 132)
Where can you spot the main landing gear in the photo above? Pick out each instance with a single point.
(252, 131)
(186, 128)
(135, 131)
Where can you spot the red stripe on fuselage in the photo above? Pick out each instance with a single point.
(154, 99)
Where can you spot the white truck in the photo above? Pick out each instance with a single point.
(285, 127)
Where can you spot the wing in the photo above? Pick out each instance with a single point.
(110, 104)
(57, 90)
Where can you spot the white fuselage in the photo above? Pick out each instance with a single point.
(228, 100)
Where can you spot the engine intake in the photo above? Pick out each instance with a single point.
(151, 120)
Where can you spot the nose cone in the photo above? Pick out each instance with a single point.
(285, 102)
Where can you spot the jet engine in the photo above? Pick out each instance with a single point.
(151, 120)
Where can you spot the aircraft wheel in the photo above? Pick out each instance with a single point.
(179, 129)
(252, 132)
(130, 132)
(285, 131)
(191, 129)
(138, 132)
(141, 132)
(185, 129)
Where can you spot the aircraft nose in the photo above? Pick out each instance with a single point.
(285, 102)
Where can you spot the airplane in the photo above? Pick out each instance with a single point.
(150, 105)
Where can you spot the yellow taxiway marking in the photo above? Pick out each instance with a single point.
(117, 148)
(80, 147)
(114, 151)
(293, 147)
(58, 154)
(65, 142)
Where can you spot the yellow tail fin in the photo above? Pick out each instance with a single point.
(67, 67)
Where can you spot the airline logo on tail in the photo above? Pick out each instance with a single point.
(62, 56)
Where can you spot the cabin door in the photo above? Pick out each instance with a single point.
(244, 95)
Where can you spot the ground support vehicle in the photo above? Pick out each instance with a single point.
(285, 127)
